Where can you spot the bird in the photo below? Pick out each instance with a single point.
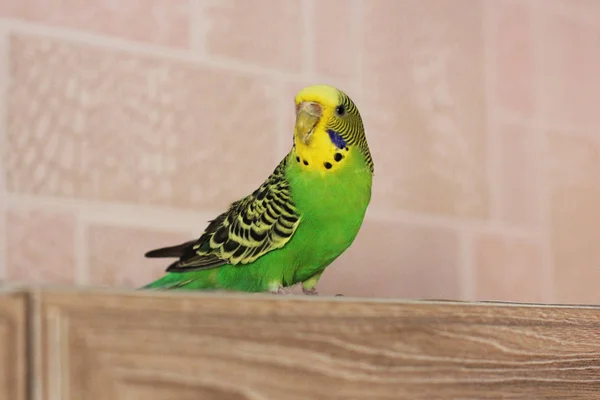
(295, 224)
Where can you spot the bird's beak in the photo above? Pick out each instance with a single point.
(308, 115)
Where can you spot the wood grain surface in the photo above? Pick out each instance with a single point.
(98, 346)
(13, 341)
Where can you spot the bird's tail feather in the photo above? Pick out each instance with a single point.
(171, 251)
(183, 281)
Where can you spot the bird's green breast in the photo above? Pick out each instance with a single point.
(332, 205)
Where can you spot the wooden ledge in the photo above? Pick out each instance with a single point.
(106, 344)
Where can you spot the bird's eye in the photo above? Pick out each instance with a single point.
(340, 110)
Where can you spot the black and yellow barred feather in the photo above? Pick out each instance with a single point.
(259, 223)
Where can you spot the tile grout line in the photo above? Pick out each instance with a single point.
(550, 9)
(452, 223)
(359, 30)
(466, 267)
(515, 119)
(4, 79)
(140, 48)
(283, 138)
(82, 268)
(284, 133)
(494, 149)
(113, 43)
(198, 28)
(176, 220)
(309, 67)
(539, 143)
(123, 215)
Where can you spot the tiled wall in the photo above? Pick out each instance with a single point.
(127, 125)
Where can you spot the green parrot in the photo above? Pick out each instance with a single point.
(305, 215)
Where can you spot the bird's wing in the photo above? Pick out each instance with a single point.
(253, 226)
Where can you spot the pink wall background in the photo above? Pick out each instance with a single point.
(127, 125)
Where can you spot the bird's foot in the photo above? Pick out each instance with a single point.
(310, 292)
(280, 291)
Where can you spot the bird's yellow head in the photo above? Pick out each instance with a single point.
(329, 129)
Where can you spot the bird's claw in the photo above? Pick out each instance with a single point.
(280, 291)
(310, 292)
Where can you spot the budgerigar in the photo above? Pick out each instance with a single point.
(298, 221)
